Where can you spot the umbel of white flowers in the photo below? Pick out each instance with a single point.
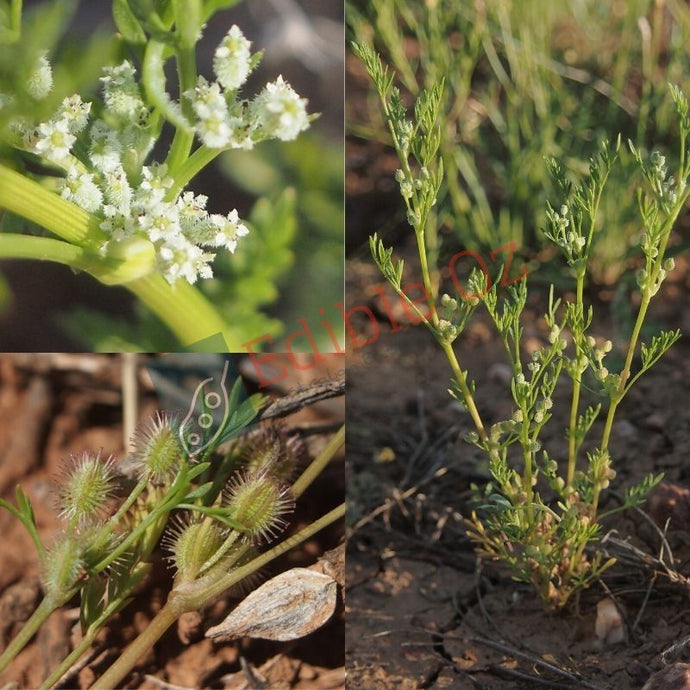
(133, 199)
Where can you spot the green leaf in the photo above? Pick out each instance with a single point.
(213, 6)
(127, 23)
(244, 415)
(199, 492)
(660, 344)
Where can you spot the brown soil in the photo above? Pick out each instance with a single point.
(55, 405)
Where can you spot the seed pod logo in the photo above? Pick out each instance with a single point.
(210, 399)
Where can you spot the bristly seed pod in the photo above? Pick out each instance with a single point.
(257, 502)
(158, 452)
(192, 544)
(62, 566)
(271, 450)
(87, 489)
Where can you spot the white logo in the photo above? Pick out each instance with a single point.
(195, 429)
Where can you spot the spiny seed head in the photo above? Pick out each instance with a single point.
(192, 543)
(97, 541)
(62, 566)
(87, 488)
(158, 451)
(274, 452)
(257, 502)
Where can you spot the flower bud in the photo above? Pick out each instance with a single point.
(40, 81)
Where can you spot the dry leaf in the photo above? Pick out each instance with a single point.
(287, 607)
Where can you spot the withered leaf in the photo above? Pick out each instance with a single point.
(288, 606)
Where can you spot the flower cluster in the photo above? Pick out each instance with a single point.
(106, 175)
(222, 120)
(571, 242)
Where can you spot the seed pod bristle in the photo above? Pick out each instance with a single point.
(158, 452)
(258, 502)
(87, 488)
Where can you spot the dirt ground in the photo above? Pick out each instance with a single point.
(55, 405)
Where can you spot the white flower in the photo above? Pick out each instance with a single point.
(160, 222)
(153, 186)
(210, 107)
(117, 225)
(75, 112)
(52, 140)
(105, 148)
(80, 188)
(279, 112)
(40, 81)
(231, 61)
(180, 258)
(118, 193)
(207, 99)
(214, 131)
(120, 91)
(228, 229)
(192, 211)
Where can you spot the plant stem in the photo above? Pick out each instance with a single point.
(625, 374)
(183, 139)
(182, 307)
(28, 199)
(575, 403)
(165, 618)
(18, 246)
(426, 276)
(319, 462)
(461, 378)
(195, 595)
(38, 617)
(190, 167)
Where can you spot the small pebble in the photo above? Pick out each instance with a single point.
(625, 430)
(500, 373)
(609, 626)
(674, 677)
(656, 421)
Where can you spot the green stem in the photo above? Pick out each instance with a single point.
(163, 620)
(16, 246)
(194, 595)
(38, 617)
(426, 276)
(183, 139)
(16, 17)
(527, 477)
(461, 378)
(28, 199)
(188, 314)
(625, 374)
(197, 594)
(88, 638)
(189, 169)
(319, 462)
(575, 403)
